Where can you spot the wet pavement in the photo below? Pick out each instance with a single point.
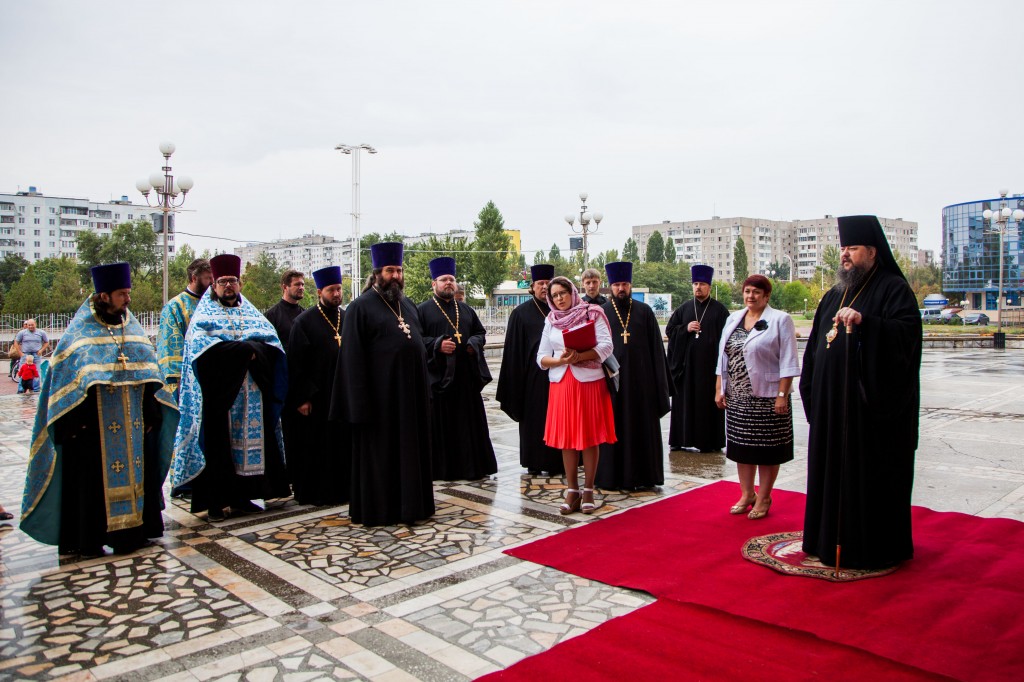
(299, 593)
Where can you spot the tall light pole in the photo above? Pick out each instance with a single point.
(792, 265)
(1000, 220)
(354, 150)
(584, 228)
(167, 190)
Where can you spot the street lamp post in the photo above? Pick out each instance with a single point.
(354, 151)
(584, 228)
(167, 190)
(1000, 220)
(792, 266)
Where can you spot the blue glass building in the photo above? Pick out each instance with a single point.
(970, 254)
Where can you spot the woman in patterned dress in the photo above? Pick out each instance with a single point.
(756, 364)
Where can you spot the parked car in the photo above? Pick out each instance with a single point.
(980, 319)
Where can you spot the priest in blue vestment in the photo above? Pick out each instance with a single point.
(233, 386)
(103, 432)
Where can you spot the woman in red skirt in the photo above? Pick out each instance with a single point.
(579, 415)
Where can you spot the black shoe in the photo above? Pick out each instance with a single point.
(215, 515)
(534, 472)
(246, 507)
(92, 552)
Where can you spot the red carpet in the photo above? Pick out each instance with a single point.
(957, 609)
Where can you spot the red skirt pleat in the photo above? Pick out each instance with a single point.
(579, 414)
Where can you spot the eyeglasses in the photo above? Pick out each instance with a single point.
(560, 294)
(227, 281)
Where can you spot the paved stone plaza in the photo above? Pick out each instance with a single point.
(299, 593)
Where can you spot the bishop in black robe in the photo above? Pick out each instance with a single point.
(320, 451)
(381, 388)
(868, 487)
(636, 460)
(523, 386)
(692, 357)
(461, 441)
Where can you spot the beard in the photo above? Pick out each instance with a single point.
(390, 290)
(623, 296)
(227, 300)
(445, 294)
(107, 312)
(852, 278)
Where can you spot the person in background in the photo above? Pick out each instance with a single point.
(29, 375)
(174, 319)
(283, 313)
(592, 287)
(579, 418)
(636, 460)
(694, 331)
(757, 361)
(522, 385)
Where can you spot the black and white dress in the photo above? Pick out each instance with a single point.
(754, 433)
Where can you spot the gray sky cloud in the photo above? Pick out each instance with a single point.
(661, 111)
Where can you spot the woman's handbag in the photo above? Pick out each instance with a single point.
(611, 373)
(14, 352)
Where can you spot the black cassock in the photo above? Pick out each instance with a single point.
(461, 441)
(283, 315)
(523, 386)
(381, 389)
(221, 372)
(882, 409)
(83, 522)
(319, 451)
(636, 459)
(696, 420)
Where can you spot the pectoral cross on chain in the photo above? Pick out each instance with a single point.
(403, 325)
(458, 336)
(123, 359)
(625, 336)
(337, 337)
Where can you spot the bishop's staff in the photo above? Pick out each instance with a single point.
(845, 442)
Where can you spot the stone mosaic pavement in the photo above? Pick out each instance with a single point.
(300, 593)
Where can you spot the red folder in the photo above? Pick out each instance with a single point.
(580, 338)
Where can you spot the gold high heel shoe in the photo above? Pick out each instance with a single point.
(754, 514)
(741, 508)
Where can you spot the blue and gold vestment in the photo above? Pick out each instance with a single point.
(170, 341)
(119, 361)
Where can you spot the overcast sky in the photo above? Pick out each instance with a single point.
(661, 111)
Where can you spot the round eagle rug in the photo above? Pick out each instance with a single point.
(783, 552)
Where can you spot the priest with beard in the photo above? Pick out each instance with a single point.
(320, 451)
(636, 459)
(454, 338)
(693, 334)
(381, 389)
(867, 339)
(103, 432)
(522, 385)
(233, 385)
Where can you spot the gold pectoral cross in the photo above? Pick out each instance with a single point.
(123, 359)
(458, 336)
(337, 337)
(625, 336)
(404, 327)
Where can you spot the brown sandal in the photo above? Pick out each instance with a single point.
(570, 507)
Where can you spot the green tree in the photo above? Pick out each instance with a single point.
(177, 270)
(26, 296)
(670, 250)
(830, 259)
(664, 278)
(261, 281)
(134, 243)
(791, 296)
(656, 248)
(562, 267)
(540, 256)
(12, 267)
(630, 252)
(491, 247)
(781, 270)
(740, 267)
(66, 290)
(722, 292)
